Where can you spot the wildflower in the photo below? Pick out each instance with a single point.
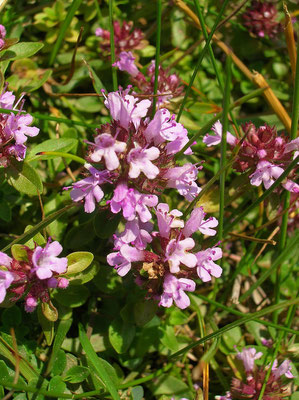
(89, 188)
(46, 260)
(196, 222)
(125, 37)
(212, 140)
(260, 19)
(205, 263)
(167, 220)
(14, 130)
(34, 275)
(107, 147)
(2, 36)
(263, 153)
(122, 259)
(140, 159)
(126, 63)
(183, 179)
(174, 291)
(255, 376)
(177, 252)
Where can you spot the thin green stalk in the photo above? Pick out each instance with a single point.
(241, 216)
(44, 117)
(157, 58)
(62, 31)
(207, 126)
(280, 337)
(43, 154)
(112, 47)
(212, 57)
(286, 253)
(201, 56)
(287, 195)
(240, 314)
(97, 7)
(224, 145)
(241, 321)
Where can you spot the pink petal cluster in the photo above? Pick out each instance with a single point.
(14, 129)
(2, 36)
(169, 85)
(126, 38)
(250, 387)
(263, 153)
(33, 277)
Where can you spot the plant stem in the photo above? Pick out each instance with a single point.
(112, 47)
(157, 58)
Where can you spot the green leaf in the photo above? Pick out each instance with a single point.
(47, 326)
(106, 224)
(85, 276)
(59, 363)
(177, 317)
(98, 364)
(57, 385)
(5, 211)
(78, 262)
(62, 330)
(36, 84)
(137, 393)
(170, 385)
(169, 339)
(72, 296)
(19, 252)
(49, 311)
(62, 145)
(24, 178)
(4, 374)
(38, 238)
(144, 311)
(11, 317)
(21, 50)
(76, 374)
(96, 81)
(121, 335)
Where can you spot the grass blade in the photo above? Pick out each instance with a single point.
(62, 31)
(157, 58)
(112, 47)
(202, 54)
(224, 145)
(37, 228)
(241, 321)
(97, 363)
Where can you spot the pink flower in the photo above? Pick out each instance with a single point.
(283, 369)
(164, 127)
(46, 262)
(6, 279)
(205, 263)
(183, 179)
(177, 253)
(126, 109)
(292, 145)
(137, 233)
(7, 99)
(248, 356)
(267, 173)
(174, 291)
(126, 63)
(5, 260)
(30, 303)
(102, 33)
(196, 222)
(140, 161)
(168, 220)
(89, 189)
(2, 36)
(122, 259)
(17, 126)
(107, 147)
(132, 203)
(212, 140)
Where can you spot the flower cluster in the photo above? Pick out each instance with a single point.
(14, 129)
(2, 36)
(136, 156)
(276, 387)
(263, 153)
(260, 18)
(125, 37)
(168, 84)
(162, 261)
(32, 274)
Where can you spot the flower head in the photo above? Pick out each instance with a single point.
(126, 63)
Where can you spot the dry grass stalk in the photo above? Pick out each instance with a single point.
(259, 80)
(290, 39)
(273, 101)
